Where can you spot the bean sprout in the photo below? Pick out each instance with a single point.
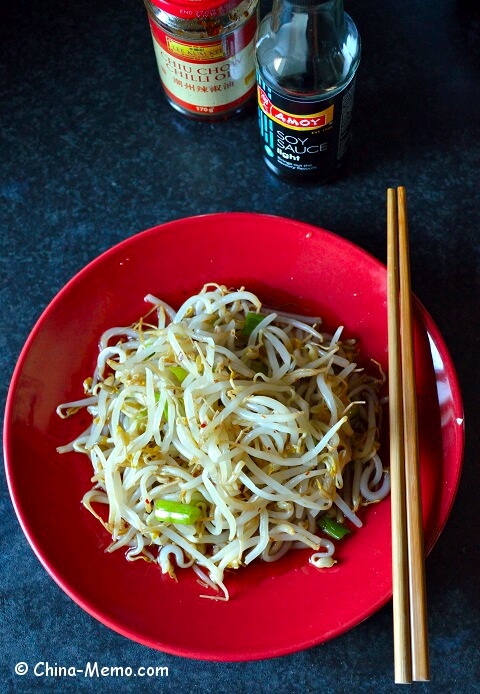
(252, 419)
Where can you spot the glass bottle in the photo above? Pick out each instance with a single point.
(307, 54)
(205, 53)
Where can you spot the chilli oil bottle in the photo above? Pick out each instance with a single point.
(307, 55)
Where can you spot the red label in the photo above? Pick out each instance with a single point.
(311, 121)
(207, 77)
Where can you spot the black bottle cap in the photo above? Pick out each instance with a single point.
(312, 3)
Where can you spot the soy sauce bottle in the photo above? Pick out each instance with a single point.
(307, 54)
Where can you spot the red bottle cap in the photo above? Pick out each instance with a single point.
(196, 9)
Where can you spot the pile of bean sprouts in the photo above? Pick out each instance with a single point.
(265, 431)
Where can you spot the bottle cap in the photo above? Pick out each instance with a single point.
(196, 9)
(312, 3)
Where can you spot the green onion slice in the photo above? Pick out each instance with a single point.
(176, 512)
(332, 527)
(165, 407)
(251, 322)
(179, 372)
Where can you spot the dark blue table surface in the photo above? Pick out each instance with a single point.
(91, 153)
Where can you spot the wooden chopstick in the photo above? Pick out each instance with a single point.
(401, 603)
(411, 658)
(416, 553)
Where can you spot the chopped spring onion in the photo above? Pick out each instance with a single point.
(165, 407)
(179, 372)
(332, 527)
(176, 512)
(251, 321)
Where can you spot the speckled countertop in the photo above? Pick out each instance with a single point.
(91, 153)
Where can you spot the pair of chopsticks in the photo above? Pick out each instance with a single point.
(411, 658)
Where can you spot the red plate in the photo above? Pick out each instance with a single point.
(274, 608)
